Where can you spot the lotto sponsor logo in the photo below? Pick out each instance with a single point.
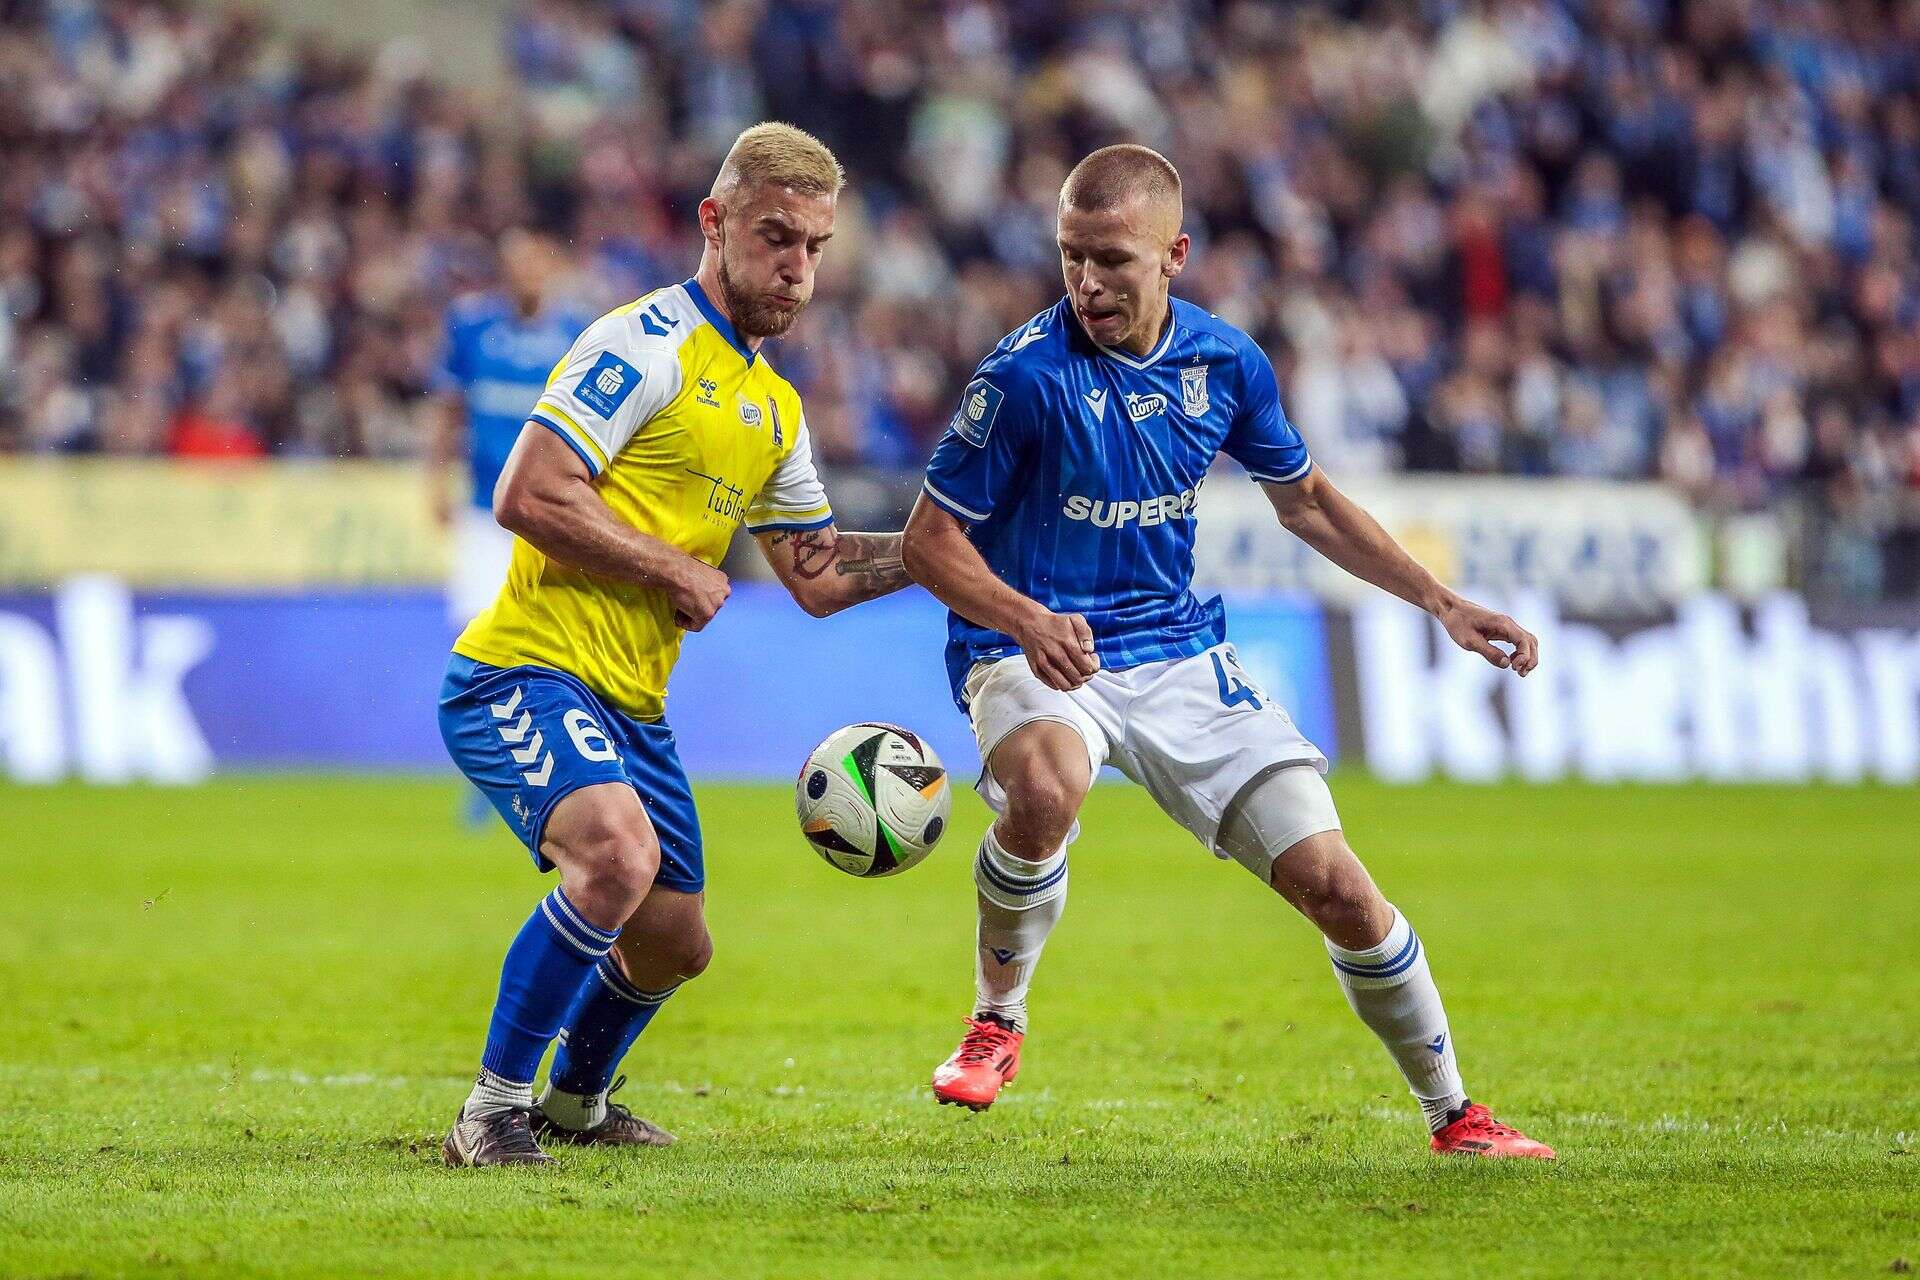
(1118, 513)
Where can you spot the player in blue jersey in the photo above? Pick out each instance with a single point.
(1057, 524)
(499, 348)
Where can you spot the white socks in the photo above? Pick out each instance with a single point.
(1020, 902)
(572, 1110)
(1392, 990)
(493, 1093)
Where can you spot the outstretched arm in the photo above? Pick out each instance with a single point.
(827, 570)
(1339, 529)
(546, 495)
(1059, 646)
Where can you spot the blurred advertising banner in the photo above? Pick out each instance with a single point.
(1594, 547)
(105, 683)
(220, 524)
(1716, 691)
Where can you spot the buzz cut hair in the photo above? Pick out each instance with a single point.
(1111, 174)
(782, 155)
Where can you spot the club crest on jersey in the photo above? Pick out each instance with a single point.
(773, 413)
(607, 385)
(1193, 391)
(979, 406)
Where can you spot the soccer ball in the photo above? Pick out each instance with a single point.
(873, 799)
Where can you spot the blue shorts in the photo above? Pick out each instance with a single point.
(528, 736)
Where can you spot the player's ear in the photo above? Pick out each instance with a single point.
(712, 212)
(1176, 259)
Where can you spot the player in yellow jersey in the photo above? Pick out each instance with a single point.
(660, 433)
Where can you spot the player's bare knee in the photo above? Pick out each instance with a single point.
(612, 863)
(1041, 808)
(629, 864)
(1342, 912)
(1327, 884)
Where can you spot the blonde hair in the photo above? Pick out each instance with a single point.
(783, 155)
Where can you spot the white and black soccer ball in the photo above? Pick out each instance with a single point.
(873, 799)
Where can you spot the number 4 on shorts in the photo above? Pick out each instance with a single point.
(1233, 690)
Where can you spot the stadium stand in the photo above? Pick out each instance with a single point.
(1605, 238)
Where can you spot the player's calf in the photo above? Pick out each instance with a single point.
(1283, 827)
(663, 945)
(603, 843)
(1020, 871)
(1044, 769)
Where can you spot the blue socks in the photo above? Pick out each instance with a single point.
(607, 1016)
(543, 973)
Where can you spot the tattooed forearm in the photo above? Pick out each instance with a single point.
(813, 550)
(862, 565)
(873, 558)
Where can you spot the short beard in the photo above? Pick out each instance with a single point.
(752, 317)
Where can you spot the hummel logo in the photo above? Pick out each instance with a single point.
(1002, 954)
(1097, 401)
(1028, 338)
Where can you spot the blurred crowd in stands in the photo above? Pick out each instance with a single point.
(1613, 238)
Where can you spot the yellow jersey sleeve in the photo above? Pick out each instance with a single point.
(618, 375)
(792, 497)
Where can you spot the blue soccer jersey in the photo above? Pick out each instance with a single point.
(1077, 468)
(497, 363)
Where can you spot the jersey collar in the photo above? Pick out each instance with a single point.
(721, 325)
(1147, 361)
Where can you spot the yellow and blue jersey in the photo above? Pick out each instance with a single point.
(688, 434)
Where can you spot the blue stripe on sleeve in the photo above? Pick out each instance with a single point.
(593, 467)
(791, 526)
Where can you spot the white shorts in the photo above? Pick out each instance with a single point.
(1192, 731)
(481, 549)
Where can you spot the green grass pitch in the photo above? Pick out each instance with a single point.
(235, 1020)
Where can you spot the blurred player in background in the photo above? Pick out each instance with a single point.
(1057, 523)
(661, 432)
(500, 347)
